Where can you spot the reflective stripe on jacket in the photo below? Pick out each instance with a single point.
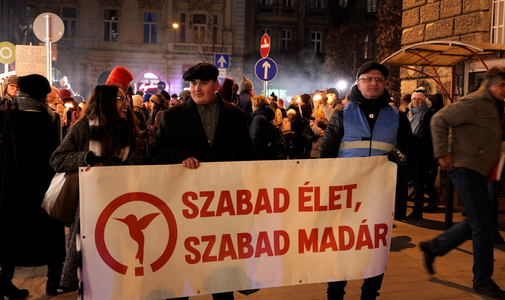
(358, 141)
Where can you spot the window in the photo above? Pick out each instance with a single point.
(110, 25)
(286, 38)
(150, 27)
(199, 22)
(316, 41)
(214, 34)
(317, 4)
(287, 2)
(371, 6)
(497, 32)
(265, 31)
(69, 17)
(266, 2)
(183, 28)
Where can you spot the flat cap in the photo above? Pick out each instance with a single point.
(372, 65)
(202, 71)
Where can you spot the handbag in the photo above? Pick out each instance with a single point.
(62, 196)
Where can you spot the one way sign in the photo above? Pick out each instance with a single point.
(222, 60)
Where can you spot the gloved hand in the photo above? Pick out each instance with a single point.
(397, 157)
(92, 159)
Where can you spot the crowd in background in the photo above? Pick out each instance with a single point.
(117, 126)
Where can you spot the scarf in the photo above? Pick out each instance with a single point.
(96, 133)
(416, 115)
(23, 102)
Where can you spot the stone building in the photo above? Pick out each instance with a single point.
(139, 35)
(467, 21)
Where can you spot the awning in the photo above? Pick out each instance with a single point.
(441, 53)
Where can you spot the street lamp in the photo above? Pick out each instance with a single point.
(175, 25)
(341, 85)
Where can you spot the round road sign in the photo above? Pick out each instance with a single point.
(7, 53)
(265, 45)
(57, 27)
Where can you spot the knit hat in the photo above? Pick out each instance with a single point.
(226, 89)
(146, 98)
(156, 99)
(333, 91)
(78, 99)
(202, 71)
(372, 65)
(65, 94)
(137, 100)
(13, 79)
(120, 76)
(36, 86)
(245, 84)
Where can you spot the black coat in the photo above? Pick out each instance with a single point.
(181, 135)
(28, 236)
(262, 132)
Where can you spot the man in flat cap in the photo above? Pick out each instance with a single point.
(367, 126)
(203, 129)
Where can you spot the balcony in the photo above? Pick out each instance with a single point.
(198, 48)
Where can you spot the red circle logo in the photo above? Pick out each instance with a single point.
(135, 229)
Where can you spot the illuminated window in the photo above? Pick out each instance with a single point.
(371, 6)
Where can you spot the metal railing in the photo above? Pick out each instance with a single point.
(198, 48)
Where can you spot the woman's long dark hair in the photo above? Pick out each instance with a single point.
(117, 132)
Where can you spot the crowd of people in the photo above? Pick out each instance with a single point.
(229, 122)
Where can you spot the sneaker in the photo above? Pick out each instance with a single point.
(490, 289)
(429, 256)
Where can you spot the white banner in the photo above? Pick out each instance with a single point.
(164, 231)
(31, 60)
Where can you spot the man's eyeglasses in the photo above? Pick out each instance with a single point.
(369, 79)
(123, 99)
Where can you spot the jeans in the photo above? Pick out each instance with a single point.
(369, 289)
(477, 225)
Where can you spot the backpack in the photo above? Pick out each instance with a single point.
(276, 140)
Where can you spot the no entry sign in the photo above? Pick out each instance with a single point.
(265, 45)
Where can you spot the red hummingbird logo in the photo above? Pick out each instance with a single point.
(135, 228)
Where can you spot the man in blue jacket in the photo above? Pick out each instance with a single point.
(367, 126)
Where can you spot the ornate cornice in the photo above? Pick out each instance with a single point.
(200, 4)
(157, 4)
(110, 2)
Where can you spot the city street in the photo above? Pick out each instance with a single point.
(405, 278)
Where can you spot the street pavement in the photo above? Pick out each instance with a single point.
(405, 278)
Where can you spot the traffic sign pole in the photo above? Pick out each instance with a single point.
(48, 46)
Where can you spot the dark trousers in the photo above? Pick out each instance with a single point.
(477, 226)
(369, 289)
(424, 183)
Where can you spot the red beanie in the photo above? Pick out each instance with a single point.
(226, 89)
(120, 76)
(65, 94)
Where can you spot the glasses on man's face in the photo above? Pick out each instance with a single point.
(370, 79)
(123, 99)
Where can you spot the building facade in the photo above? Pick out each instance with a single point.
(480, 21)
(139, 35)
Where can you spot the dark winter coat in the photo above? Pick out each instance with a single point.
(261, 126)
(28, 236)
(181, 136)
(245, 101)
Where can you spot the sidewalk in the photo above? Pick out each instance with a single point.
(405, 277)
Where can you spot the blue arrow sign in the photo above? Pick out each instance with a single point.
(265, 69)
(222, 60)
